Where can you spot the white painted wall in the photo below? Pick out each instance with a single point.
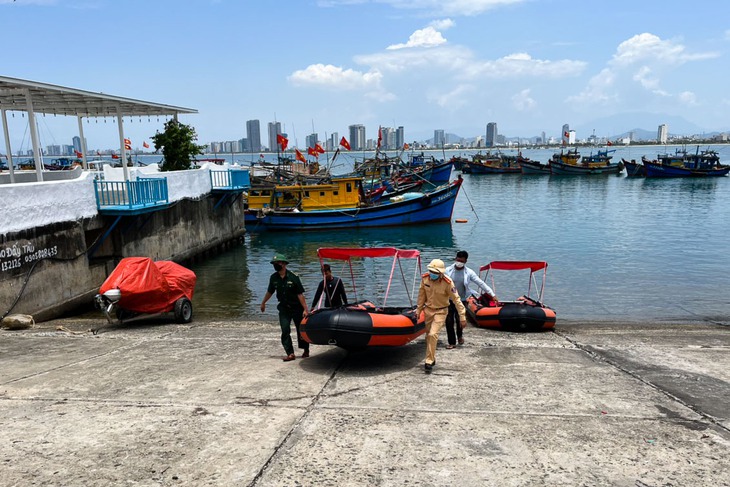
(192, 183)
(29, 205)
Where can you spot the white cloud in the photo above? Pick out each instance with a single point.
(687, 98)
(442, 24)
(521, 64)
(600, 89)
(428, 37)
(645, 48)
(456, 98)
(522, 101)
(433, 7)
(335, 77)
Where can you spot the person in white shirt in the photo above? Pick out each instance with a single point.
(462, 277)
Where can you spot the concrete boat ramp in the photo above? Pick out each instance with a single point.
(211, 403)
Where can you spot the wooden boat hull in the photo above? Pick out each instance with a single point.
(362, 325)
(514, 316)
(534, 167)
(435, 206)
(477, 168)
(634, 169)
(562, 169)
(656, 170)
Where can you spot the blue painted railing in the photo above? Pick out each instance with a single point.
(230, 179)
(131, 195)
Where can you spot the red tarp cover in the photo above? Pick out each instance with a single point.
(150, 287)
(345, 253)
(514, 265)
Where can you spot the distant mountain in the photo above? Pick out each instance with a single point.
(616, 126)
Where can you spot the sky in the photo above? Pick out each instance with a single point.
(322, 65)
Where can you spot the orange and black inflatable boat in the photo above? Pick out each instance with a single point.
(365, 324)
(523, 314)
(362, 325)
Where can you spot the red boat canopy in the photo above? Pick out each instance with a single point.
(514, 265)
(346, 253)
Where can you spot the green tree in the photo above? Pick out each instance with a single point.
(178, 145)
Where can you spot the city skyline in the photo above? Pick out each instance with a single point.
(433, 65)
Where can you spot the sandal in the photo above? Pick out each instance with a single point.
(450, 346)
(289, 357)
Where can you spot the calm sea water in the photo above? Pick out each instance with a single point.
(617, 247)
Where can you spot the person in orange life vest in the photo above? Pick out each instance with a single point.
(434, 295)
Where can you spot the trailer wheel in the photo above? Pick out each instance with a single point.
(183, 310)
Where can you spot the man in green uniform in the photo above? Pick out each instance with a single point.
(292, 306)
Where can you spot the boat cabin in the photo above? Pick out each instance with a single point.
(340, 193)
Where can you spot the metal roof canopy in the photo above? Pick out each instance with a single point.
(34, 97)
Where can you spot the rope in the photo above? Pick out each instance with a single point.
(472, 206)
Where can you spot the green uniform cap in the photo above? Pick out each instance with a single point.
(279, 258)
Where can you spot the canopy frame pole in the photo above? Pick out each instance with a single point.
(9, 152)
(84, 164)
(37, 152)
(122, 150)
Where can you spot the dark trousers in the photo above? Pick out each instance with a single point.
(285, 319)
(452, 321)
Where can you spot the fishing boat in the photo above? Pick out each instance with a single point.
(569, 164)
(526, 313)
(683, 165)
(528, 166)
(633, 168)
(410, 208)
(365, 323)
(492, 164)
(345, 192)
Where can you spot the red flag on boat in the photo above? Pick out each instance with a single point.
(98, 153)
(319, 149)
(127, 142)
(406, 146)
(114, 156)
(79, 155)
(312, 152)
(282, 141)
(299, 155)
(145, 145)
(127, 147)
(344, 143)
(380, 136)
(566, 134)
(608, 143)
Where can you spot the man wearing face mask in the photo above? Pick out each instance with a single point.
(462, 277)
(434, 294)
(292, 306)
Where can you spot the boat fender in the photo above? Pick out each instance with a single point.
(426, 200)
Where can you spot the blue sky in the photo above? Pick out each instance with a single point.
(322, 65)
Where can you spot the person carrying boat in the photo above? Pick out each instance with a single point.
(292, 305)
(334, 290)
(434, 294)
(462, 277)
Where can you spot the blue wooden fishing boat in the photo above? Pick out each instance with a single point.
(633, 168)
(683, 165)
(407, 209)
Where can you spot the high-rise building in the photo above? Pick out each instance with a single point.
(333, 142)
(543, 140)
(662, 134)
(388, 138)
(76, 141)
(311, 140)
(357, 137)
(400, 138)
(274, 130)
(253, 134)
(439, 138)
(491, 137)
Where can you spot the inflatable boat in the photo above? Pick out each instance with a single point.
(366, 324)
(523, 314)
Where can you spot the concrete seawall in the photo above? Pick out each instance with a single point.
(56, 267)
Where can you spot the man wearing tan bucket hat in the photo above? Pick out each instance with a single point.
(433, 299)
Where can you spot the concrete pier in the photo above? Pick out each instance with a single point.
(211, 403)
